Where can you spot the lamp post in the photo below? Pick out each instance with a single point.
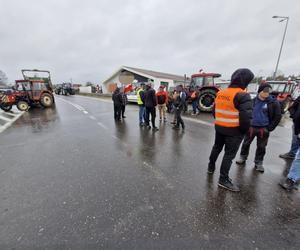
(282, 18)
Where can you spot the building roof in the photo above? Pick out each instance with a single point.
(157, 74)
(148, 74)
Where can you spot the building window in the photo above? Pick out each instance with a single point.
(166, 84)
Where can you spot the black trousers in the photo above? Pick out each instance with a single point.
(123, 110)
(232, 144)
(178, 117)
(262, 136)
(117, 112)
(151, 111)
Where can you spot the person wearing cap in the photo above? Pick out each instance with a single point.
(150, 104)
(266, 117)
(179, 102)
(141, 103)
(162, 102)
(233, 112)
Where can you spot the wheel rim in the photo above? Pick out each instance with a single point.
(47, 100)
(23, 106)
(207, 101)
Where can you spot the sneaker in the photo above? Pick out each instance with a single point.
(288, 184)
(259, 167)
(227, 184)
(193, 114)
(142, 124)
(173, 122)
(148, 127)
(211, 168)
(287, 156)
(155, 129)
(241, 161)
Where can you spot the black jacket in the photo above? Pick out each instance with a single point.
(117, 98)
(295, 115)
(242, 102)
(150, 98)
(274, 113)
(179, 102)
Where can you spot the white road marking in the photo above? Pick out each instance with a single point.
(92, 117)
(9, 121)
(102, 125)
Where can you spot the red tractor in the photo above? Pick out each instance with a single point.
(28, 92)
(285, 92)
(208, 88)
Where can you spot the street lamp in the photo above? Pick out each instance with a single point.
(282, 18)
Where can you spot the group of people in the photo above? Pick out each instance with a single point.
(148, 99)
(238, 120)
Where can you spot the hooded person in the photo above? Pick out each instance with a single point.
(233, 113)
(150, 105)
(266, 117)
(117, 100)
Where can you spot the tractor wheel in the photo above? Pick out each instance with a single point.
(6, 108)
(22, 105)
(46, 100)
(206, 100)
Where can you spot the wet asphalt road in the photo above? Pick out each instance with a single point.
(72, 178)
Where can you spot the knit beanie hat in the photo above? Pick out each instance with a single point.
(264, 87)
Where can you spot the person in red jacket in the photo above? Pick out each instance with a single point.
(162, 102)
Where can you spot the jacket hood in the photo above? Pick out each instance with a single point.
(241, 78)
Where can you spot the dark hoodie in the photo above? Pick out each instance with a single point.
(242, 102)
(117, 97)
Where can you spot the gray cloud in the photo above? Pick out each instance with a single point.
(88, 40)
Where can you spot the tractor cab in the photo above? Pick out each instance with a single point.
(204, 79)
(207, 88)
(285, 92)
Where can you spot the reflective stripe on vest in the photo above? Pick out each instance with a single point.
(139, 99)
(225, 112)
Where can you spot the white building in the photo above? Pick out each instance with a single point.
(143, 75)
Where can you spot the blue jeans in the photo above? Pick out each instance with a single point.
(142, 113)
(195, 106)
(294, 173)
(295, 143)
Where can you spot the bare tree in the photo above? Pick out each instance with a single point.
(3, 78)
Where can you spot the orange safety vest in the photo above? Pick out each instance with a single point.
(225, 112)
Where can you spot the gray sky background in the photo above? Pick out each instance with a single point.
(89, 40)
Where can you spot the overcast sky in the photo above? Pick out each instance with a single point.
(89, 40)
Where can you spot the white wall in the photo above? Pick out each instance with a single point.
(87, 89)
